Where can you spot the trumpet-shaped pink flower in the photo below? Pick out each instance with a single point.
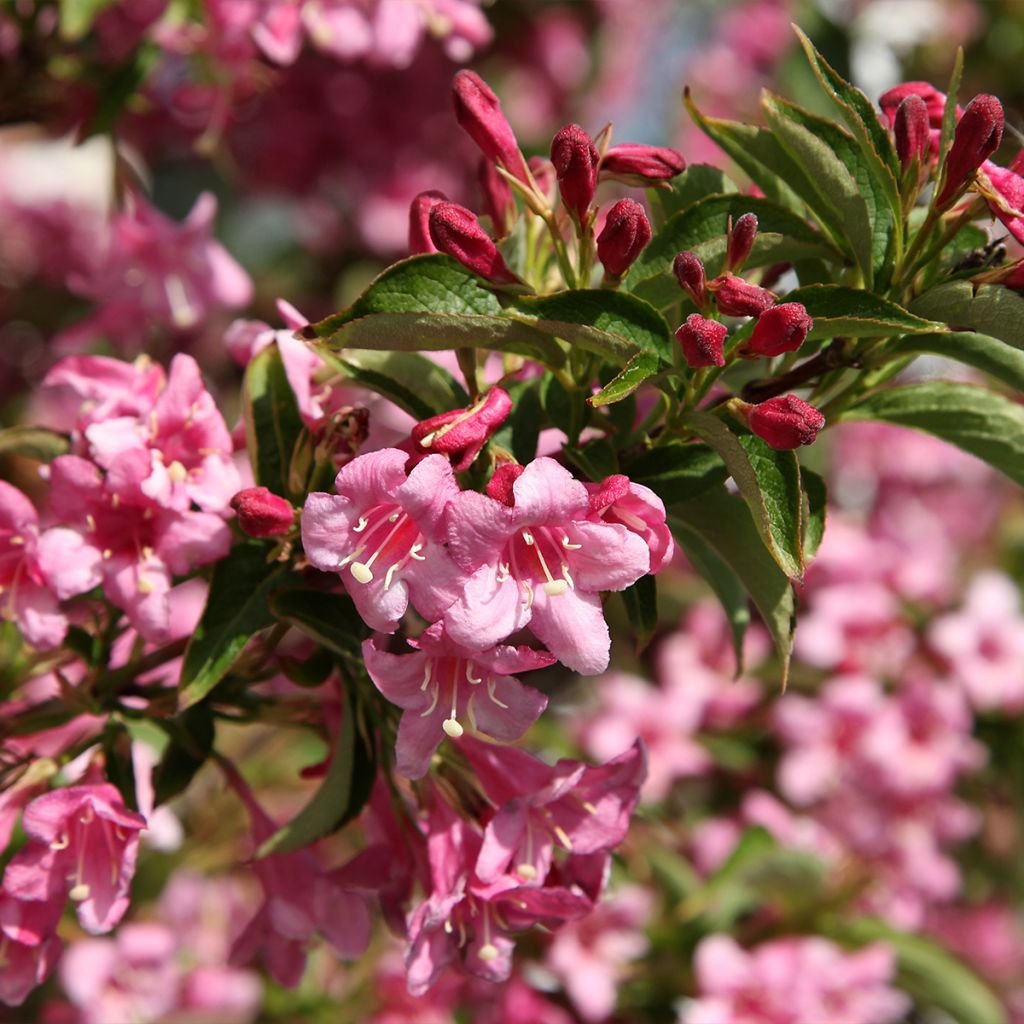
(383, 533)
(462, 433)
(83, 842)
(39, 569)
(29, 947)
(580, 808)
(541, 561)
(618, 500)
(443, 684)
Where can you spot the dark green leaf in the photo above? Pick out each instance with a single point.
(815, 510)
(272, 420)
(597, 458)
(990, 355)
(853, 313)
(993, 310)
(677, 471)
(33, 443)
(525, 423)
(236, 608)
(117, 762)
(640, 368)
(330, 619)
(979, 421)
(191, 740)
(641, 601)
(949, 115)
(697, 182)
(769, 482)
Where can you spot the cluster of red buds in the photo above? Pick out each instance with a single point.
(783, 422)
(578, 163)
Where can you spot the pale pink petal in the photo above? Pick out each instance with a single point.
(572, 626)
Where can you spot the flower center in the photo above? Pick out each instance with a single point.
(539, 556)
(443, 677)
(390, 537)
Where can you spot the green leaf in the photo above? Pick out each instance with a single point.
(722, 580)
(330, 619)
(725, 524)
(853, 313)
(612, 324)
(949, 114)
(641, 601)
(979, 421)
(77, 16)
(835, 196)
(191, 740)
(677, 471)
(931, 975)
(33, 443)
(272, 420)
(597, 458)
(815, 511)
(640, 368)
(990, 355)
(412, 382)
(994, 310)
(525, 423)
(701, 228)
(236, 608)
(697, 182)
(769, 482)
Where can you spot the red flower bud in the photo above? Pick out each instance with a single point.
(463, 432)
(497, 197)
(478, 111)
(702, 341)
(782, 328)
(625, 233)
(261, 513)
(456, 231)
(736, 297)
(976, 138)
(499, 487)
(934, 101)
(689, 270)
(419, 221)
(741, 241)
(640, 165)
(785, 422)
(912, 131)
(575, 159)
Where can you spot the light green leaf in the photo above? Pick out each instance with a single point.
(979, 421)
(990, 355)
(838, 311)
(641, 367)
(36, 443)
(697, 182)
(994, 309)
(272, 420)
(815, 511)
(77, 16)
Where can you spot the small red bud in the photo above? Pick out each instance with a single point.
(625, 233)
(785, 422)
(478, 111)
(497, 197)
(736, 297)
(741, 240)
(912, 131)
(499, 487)
(976, 138)
(636, 164)
(702, 341)
(463, 432)
(782, 328)
(419, 221)
(456, 231)
(934, 101)
(689, 270)
(261, 513)
(575, 159)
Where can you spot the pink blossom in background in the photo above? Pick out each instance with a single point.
(29, 942)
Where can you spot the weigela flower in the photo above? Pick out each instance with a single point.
(702, 341)
(689, 270)
(478, 111)
(383, 533)
(742, 236)
(912, 131)
(782, 328)
(624, 236)
(542, 562)
(578, 808)
(29, 946)
(1005, 196)
(454, 230)
(443, 685)
(39, 569)
(261, 513)
(461, 433)
(575, 158)
(977, 136)
(736, 297)
(419, 221)
(83, 842)
(618, 500)
(785, 422)
(637, 164)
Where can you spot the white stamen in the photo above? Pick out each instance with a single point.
(361, 572)
(361, 525)
(393, 518)
(527, 871)
(426, 677)
(490, 693)
(470, 713)
(555, 587)
(589, 807)
(473, 680)
(562, 837)
(389, 574)
(448, 927)
(16, 541)
(452, 728)
(90, 521)
(503, 575)
(568, 546)
(177, 472)
(414, 553)
(528, 538)
(426, 442)
(79, 892)
(433, 703)
(529, 595)
(61, 843)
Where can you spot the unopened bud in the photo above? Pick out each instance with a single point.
(261, 513)
(456, 231)
(736, 297)
(702, 341)
(783, 328)
(419, 221)
(498, 200)
(934, 101)
(636, 164)
(575, 159)
(499, 487)
(478, 111)
(912, 131)
(689, 270)
(976, 138)
(625, 233)
(785, 422)
(463, 432)
(741, 240)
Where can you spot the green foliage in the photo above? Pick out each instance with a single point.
(33, 443)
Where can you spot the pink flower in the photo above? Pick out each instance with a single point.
(641, 165)
(540, 562)
(29, 947)
(619, 501)
(82, 841)
(1008, 202)
(977, 136)
(444, 682)
(462, 433)
(794, 979)
(689, 270)
(383, 532)
(785, 422)
(39, 570)
(419, 220)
